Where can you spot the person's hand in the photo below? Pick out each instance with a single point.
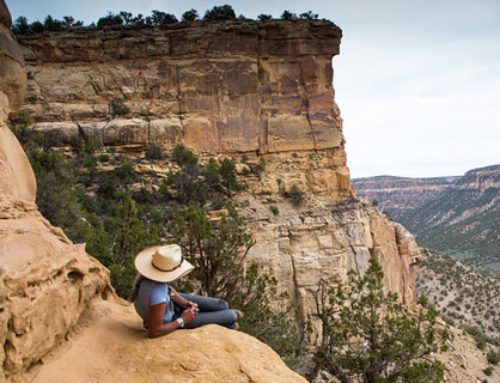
(195, 305)
(189, 314)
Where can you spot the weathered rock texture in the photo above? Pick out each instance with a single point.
(46, 282)
(52, 291)
(228, 88)
(323, 241)
(111, 346)
(218, 87)
(16, 177)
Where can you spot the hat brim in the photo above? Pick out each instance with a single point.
(144, 265)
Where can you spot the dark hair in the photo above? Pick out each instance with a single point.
(135, 289)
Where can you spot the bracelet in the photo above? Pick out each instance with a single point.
(180, 321)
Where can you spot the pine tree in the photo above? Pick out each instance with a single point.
(370, 337)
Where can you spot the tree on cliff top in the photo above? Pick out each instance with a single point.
(190, 15)
(223, 12)
(369, 337)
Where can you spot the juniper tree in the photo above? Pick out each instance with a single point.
(370, 337)
(218, 250)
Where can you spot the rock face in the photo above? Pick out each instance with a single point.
(326, 239)
(111, 346)
(46, 282)
(16, 177)
(51, 291)
(228, 88)
(218, 87)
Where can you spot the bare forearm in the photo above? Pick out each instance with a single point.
(163, 329)
(178, 300)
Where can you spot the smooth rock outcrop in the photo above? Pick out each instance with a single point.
(111, 346)
(46, 282)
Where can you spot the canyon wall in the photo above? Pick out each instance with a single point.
(401, 195)
(217, 87)
(229, 88)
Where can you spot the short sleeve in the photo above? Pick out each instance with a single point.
(159, 294)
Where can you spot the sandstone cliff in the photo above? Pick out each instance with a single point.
(218, 87)
(46, 282)
(263, 89)
(59, 318)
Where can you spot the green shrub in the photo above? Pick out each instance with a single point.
(190, 15)
(364, 329)
(287, 15)
(154, 152)
(264, 17)
(224, 12)
(295, 195)
(493, 357)
(109, 20)
(488, 371)
(103, 157)
(478, 335)
(117, 107)
(257, 168)
(184, 156)
(274, 209)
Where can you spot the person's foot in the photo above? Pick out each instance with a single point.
(236, 326)
(239, 315)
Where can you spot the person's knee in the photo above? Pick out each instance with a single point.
(222, 304)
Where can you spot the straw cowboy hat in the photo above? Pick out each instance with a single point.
(162, 263)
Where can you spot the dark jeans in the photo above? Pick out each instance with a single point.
(212, 311)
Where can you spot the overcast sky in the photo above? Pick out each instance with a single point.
(417, 82)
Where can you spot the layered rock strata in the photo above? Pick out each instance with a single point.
(52, 293)
(263, 89)
(217, 87)
(324, 240)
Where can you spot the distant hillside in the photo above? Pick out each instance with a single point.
(398, 195)
(456, 215)
(461, 295)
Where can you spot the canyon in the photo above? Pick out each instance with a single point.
(458, 215)
(229, 88)
(259, 89)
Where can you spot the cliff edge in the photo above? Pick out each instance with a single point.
(60, 319)
(259, 90)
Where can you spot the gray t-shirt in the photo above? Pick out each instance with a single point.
(151, 293)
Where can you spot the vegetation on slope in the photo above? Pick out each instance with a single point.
(102, 198)
(462, 220)
(463, 297)
(369, 337)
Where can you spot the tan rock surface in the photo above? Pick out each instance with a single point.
(322, 241)
(111, 346)
(46, 282)
(218, 87)
(464, 362)
(16, 177)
